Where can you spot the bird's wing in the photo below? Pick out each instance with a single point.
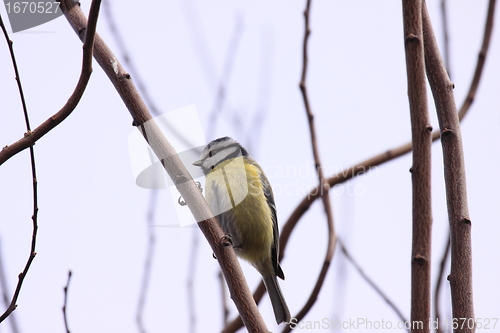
(268, 193)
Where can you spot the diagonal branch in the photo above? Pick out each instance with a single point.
(370, 282)
(31, 137)
(454, 175)
(240, 293)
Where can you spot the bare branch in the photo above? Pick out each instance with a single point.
(191, 277)
(5, 296)
(220, 96)
(372, 162)
(421, 167)
(196, 203)
(324, 188)
(223, 294)
(389, 155)
(439, 283)
(65, 306)
(481, 59)
(454, 173)
(371, 282)
(20, 145)
(148, 262)
(31, 137)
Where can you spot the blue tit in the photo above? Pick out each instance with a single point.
(241, 197)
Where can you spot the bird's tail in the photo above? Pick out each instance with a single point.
(280, 308)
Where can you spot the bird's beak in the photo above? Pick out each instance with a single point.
(198, 163)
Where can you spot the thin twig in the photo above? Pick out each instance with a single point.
(324, 188)
(197, 32)
(391, 154)
(127, 58)
(148, 262)
(372, 283)
(12, 306)
(454, 175)
(191, 277)
(372, 162)
(225, 76)
(263, 93)
(481, 59)
(5, 296)
(223, 294)
(141, 85)
(31, 137)
(142, 118)
(65, 305)
(439, 283)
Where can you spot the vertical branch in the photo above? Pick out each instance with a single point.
(12, 306)
(481, 59)
(191, 277)
(454, 174)
(439, 283)
(148, 262)
(65, 305)
(324, 188)
(421, 167)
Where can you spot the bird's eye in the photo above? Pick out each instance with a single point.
(213, 152)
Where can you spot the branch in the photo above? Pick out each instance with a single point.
(324, 188)
(220, 97)
(196, 203)
(148, 262)
(31, 136)
(421, 167)
(439, 283)
(391, 154)
(191, 277)
(481, 59)
(371, 282)
(65, 306)
(488, 28)
(454, 173)
(5, 296)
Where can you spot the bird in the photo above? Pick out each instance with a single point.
(240, 195)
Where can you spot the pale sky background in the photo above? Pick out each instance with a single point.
(92, 217)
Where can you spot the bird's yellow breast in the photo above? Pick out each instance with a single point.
(236, 187)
